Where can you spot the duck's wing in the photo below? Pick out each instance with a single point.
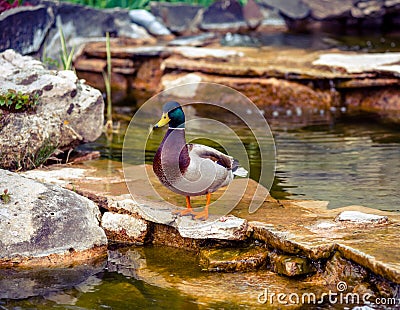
(207, 152)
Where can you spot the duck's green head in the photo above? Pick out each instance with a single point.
(172, 115)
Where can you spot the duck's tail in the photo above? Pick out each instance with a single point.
(237, 170)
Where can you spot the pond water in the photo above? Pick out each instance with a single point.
(369, 41)
(344, 160)
(145, 278)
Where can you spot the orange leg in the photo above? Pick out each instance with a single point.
(203, 215)
(187, 211)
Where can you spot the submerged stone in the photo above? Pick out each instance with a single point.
(233, 259)
(340, 269)
(290, 265)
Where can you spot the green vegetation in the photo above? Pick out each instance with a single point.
(42, 154)
(107, 82)
(18, 101)
(136, 4)
(5, 196)
(66, 57)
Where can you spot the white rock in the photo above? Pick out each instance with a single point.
(149, 22)
(226, 228)
(361, 217)
(132, 227)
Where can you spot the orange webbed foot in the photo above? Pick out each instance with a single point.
(187, 211)
(203, 215)
(184, 212)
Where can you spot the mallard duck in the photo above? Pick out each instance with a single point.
(190, 169)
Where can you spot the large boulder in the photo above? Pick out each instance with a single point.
(26, 26)
(46, 224)
(68, 113)
(35, 28)
(82, 24)
(334, 15)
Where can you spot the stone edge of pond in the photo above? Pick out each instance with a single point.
(56, 260)
(224, 232)
(235, 232)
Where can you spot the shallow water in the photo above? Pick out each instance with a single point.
(346, 161)
(144, 278)
(370, 41)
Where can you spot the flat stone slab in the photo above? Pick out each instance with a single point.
(309, 228)
(255, 62)
(359, 63)
(233, 259)
(305, 228)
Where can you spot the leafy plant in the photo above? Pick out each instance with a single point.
(18, 101)
(66, 57)
(43, 154)
(5, 196)
(137, 4)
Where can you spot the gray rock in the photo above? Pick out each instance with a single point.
(180, 18)
(44, 221)
(325, 9)
(149, 22)
(27, 28)
(295, 9)
(224, 228)
(36, 29)
(224, 15)
(82, 24)
(68, 113)
(252, 14)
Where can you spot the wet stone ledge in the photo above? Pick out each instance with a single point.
(307, 241)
